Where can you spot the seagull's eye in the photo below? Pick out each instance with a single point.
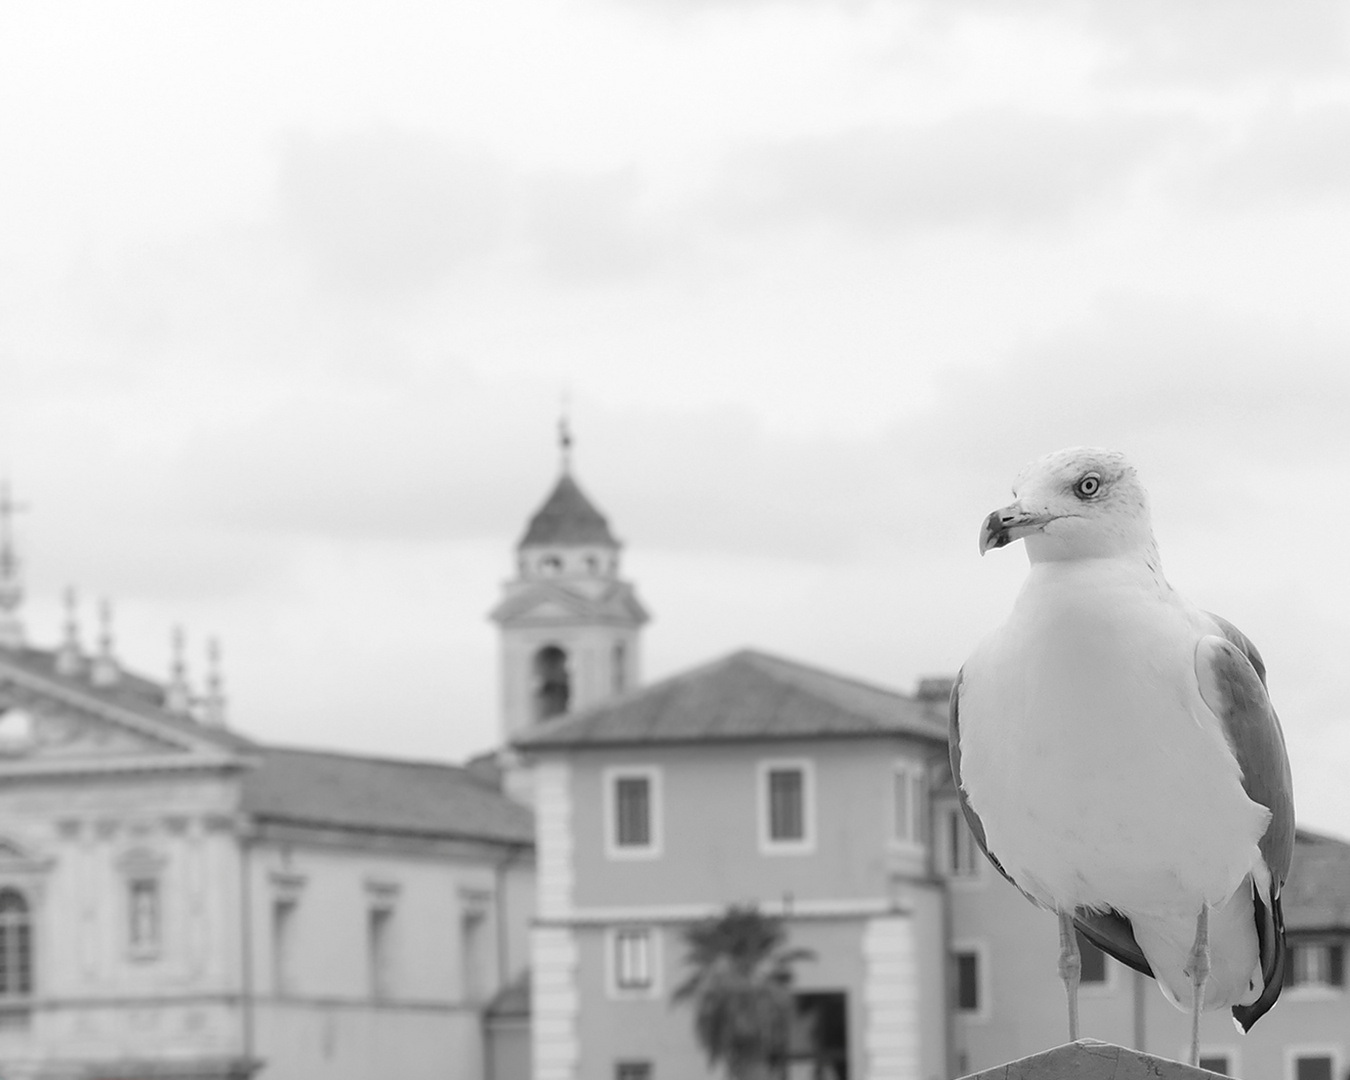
(1088, 485)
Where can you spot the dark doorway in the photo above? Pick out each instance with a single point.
(819, 1043)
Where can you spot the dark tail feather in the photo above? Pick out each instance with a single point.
(1113, 933)
(1270, 940)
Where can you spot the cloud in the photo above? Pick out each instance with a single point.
(387, 212)
(593, 229)
(1283, 157)
(991, 168)
(1197, 42)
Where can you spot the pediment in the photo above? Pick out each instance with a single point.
(545, 603)
(40, 724)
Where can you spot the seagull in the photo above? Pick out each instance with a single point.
(1116, 754)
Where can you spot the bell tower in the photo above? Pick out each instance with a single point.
(570, 626)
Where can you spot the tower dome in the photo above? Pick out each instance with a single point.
(570, 626)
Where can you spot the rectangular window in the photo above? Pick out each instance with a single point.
(632, 796)
(1094, 962)
(283, 947)
(1216, 1063)
(143, 916)
(633, 971)
(632, 812)
(473, 938)
(910, 800)
(1313, 1067)
(787, 805)
(379, 924)
(967, 963)
(962, 854)
(1317, 963)
(633, 1070)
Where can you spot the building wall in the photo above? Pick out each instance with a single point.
(320, 1010)
(94, 996)
(590, 663)
(710, 848)
(867, 906)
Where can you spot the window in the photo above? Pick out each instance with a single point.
(633, 962)
(16, 948)
(1094, 971)
(960, 854)
(474, 944)
(633, 959)
(966, 987)
(786, 811)
(143, 917)
(1317, 963)
(552, 683)
(1313, 1067)
(1216, 1062)
(379, 929)
(632, 806)
(909, 802)
(283, 947)
(633, 1070)
(16, 731)
(619, 668)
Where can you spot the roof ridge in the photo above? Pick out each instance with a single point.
(358, 755)
(833, 676)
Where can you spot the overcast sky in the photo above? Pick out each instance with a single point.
(290, 294)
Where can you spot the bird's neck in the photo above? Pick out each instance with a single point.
(1138, 568)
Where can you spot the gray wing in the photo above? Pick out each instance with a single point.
(1108, 930)
(1232, 681)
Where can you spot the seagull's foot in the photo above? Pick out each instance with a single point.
(1197, 967)
(1070, 968)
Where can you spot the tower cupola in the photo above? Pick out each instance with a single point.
(569, 624)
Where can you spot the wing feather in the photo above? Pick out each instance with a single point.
(1232, 680)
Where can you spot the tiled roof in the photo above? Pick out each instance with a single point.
(315, 787)
(747, 695)
(1317, 894)
(567, 519)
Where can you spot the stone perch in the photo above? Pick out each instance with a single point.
(1088, 1059)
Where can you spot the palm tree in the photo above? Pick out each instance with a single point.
(740, 987)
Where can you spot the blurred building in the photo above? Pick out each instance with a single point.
(178, 901)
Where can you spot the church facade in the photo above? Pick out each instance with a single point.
(180, 902)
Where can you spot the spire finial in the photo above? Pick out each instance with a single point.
(213, 705)
(565, 437)
(70, 657)
(11, 588)
(106, 670)
(178, 694)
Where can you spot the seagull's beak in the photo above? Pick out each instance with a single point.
(1011, 523)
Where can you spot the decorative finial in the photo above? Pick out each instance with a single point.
(565, 439)
(70, 657)
(105, 671)
(213, 705)
(11, 588)
(178, 694)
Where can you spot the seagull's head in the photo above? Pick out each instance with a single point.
(1079, 503)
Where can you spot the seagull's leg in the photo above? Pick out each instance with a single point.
(1070, 968)
(1197, 967)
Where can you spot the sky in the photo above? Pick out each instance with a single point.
(291, 296)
